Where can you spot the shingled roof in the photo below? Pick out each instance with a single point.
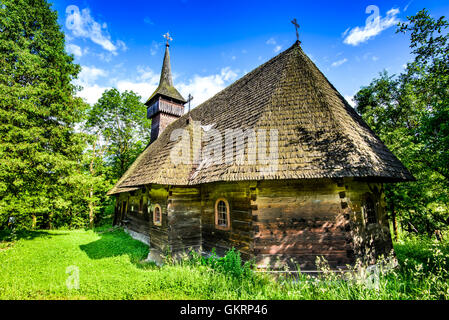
(319, 133)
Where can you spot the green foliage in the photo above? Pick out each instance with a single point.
(118, 132)
(410, 113)
(231, 264)
(111, 266)
(52, 175)
(119, 120)
(431, 254)
(40, 150)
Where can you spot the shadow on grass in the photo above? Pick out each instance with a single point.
(27, 234)
(115, 243)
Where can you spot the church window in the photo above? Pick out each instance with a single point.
(222, 219)
(157, 215)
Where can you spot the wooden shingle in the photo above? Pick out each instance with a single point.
(319, 133)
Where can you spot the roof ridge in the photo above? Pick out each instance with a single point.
(247, 76)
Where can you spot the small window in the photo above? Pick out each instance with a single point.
(222, 220)
(370, 210)
(157, 215)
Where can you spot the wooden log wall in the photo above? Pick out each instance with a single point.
(241, 234)
(296, 221)
(135, 215)
(279, 223)
(370, 240)
(159, 234)
(184, 219)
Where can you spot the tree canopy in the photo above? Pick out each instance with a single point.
(119, 120)
(410, 113)
(39, 148)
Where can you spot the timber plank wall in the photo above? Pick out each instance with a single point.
(159, 234)
(278, 223)
(184, 219)
(297, 221)
(241, 233)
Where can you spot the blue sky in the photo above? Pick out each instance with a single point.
(119, 43)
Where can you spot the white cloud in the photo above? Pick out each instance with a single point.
(143, 89)
(146, 81)
(200, 87)
(144, 85)
(91, 74)
(203, 88)
(375, 24)
(155, 47)
(74, 49)
(84, 26)
(339, 62)
(273, 42)
(148, 21)
(368, 56)
(122, 45)
(90, 91)
(408, 5)
(351, 100)
(106, 57)
(146, 74)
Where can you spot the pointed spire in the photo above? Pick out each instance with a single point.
(166, 77)
(166, 88)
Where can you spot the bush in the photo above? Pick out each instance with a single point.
(231, 264)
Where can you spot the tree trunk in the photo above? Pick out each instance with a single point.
(33, 216)
(395, 223)
(91, 189)
(91, 208)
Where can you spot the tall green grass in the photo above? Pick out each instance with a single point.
(111, 266)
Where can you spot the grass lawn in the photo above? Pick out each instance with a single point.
(110, 267)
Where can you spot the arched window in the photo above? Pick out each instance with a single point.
(370, 210)
(157, 215)
(222, 219)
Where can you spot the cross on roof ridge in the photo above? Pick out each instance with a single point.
(167, 36)
(295, 23)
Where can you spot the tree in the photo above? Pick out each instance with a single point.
(410, 113)
(40, 152)
(428, 74)
(119, 123)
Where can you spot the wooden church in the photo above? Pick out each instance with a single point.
(325, 198)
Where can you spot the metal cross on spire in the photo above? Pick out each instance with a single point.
(167, 36)
(189, 98)
(295, 23)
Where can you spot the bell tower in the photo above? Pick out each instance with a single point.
(166, 104)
